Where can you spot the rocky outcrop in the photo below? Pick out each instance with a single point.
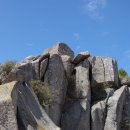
(104, 75)
(77, 107)
(32, 68)
(8, 107)
(60, 49)
(55, 78)
(80, 57)
(115, 108)
(86, 93)
(125, 81)
(20, 109)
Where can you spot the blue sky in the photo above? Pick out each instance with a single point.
(102, 27)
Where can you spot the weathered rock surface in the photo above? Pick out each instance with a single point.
(125, 81)
(27, 71)
(104, 75)
(80, 57)
(55, 78)
(20, 109)
(32, 116)
(115, 108)
(78, 107)
(8, 107)
(86, 93)
(98, 115)
(104, 69)
(68, 66)
(81, 87)
(76, 115)
(60, 49)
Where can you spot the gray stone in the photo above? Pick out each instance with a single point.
(68, 66)
(55, 78)
(22, 72)
(104, 75)
(80, 57)
(28, 59)
(125, 81)
(77, 109)
(60, 49)
(76, 115)
(81, 88)
(115, 108)
(8, 107)
(32, 116)
(35, 69)
(43, 68)
(98, 115)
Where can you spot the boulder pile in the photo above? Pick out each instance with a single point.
(87, 93)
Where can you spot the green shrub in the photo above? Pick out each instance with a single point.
(43, 92)
(122, 73)
(8, 66)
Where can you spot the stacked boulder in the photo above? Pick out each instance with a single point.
(87, 94)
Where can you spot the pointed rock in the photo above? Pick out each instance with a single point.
(60, 49)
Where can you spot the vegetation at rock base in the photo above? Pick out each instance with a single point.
(8, 66)
(42, 91)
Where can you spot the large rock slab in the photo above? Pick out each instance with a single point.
(81, 88)
(77, 107)
(115, 109)
(56, 80)
(22, 72)
(27, 71)
(76, 115)
(60, 49)
(30, 114)
(104, 74)
(8, 107)
(98, 115)
(20, 109)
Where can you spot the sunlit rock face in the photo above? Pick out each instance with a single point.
(86, 93)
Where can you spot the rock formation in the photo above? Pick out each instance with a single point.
(87, 93)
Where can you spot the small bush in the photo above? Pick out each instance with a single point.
(43, 92)
(8, 66)
(122, 73)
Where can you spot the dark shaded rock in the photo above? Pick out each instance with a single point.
(32, 116)
(55, 78)
(76, 115)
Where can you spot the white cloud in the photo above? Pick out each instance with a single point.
(94, 5)
(93, 8)
(76, 36)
